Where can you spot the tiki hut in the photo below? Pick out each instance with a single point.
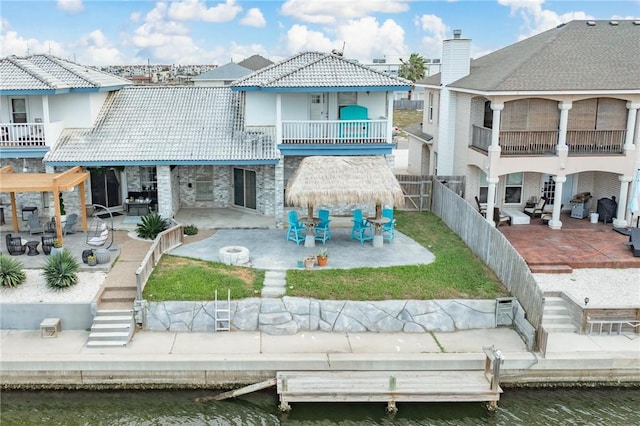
(336, 180)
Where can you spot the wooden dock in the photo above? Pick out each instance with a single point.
(393, 386)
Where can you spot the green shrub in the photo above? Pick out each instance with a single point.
(152, 224)
(11, 272)
(190, 230)
(61, 270)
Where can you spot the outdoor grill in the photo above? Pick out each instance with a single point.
(580, 205)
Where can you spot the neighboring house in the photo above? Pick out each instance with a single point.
(218, 147)
(40, 96)
(553, 115)
(221, 76)
(255, 62)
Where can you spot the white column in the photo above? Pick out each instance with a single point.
(389, 117)
(495, 125)
(621, 215)
(631, 123)
(555, 222)
(562, 129)
(278, 118)
(491, 198)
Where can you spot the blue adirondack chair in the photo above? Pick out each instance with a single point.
(362, 230)
(323, 232)
(388, 229)
(297, 230)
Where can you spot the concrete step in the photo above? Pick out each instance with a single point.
(111, 295)
(550, 269)
(555, 310)
(114, 312)
(275, 274)
(109, 335)
(273, 291)
(115, 305)
(553, 301)
(274, 282)
(107, 344)
(556, 319)
(115, 327)
(111, 319)
(559, 328)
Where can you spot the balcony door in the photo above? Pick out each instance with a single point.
(244, 188)
(318, 111)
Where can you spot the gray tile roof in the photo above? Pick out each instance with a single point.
(156, 124)
(226, 72)
(579, 55)
(319, 70)
(46, 72)
(255, 62)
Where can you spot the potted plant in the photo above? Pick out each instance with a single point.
(92, 260)
(322, 256)
(57, 247)
(63, 212)
(309, 262)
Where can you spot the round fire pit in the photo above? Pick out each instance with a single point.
(234, 255)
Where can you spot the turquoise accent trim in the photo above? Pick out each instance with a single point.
(322, 89)
(39, 152)
(335, 149)
(164, 163)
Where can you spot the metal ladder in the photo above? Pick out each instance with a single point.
(222, 316)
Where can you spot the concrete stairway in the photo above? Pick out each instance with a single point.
(274, 284)
(555, 318)
(118, 297)
(111, 328)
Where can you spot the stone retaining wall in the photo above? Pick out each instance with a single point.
(290, 315)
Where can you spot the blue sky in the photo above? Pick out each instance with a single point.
(102, 32)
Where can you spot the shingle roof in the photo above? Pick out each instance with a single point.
(49, 73)
(255, 62)
(227, 72)
(319, 70)
(155, 124)
(579, 55)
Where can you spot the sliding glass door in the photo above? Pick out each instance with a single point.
(244, 188)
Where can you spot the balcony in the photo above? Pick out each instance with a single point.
(332, 132)
(544, 142)
(23, 135)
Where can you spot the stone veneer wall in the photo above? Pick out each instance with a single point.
(290, 315)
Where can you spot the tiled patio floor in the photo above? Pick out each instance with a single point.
(579, 244)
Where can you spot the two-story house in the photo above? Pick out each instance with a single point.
(219, 147)
(551, 116)
(40, 96)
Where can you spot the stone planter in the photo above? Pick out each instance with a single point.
(92, 261)
(103, 256)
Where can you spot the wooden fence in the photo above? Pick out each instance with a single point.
(165, 241)
(491, 246)
(408, 104)
(417, 189)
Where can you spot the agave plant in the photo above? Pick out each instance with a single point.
(61, 270)
(152, 224)
(11, 273)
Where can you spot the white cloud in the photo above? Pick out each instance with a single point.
(135, 16)
(71, 6)
(300, 38)
(436, 31)
(196, 10)
(536, 19)
(96, 49)
(13, 44)
(254, 18)
(331, 11)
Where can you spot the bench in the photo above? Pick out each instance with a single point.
(50, 327)
(517, 217)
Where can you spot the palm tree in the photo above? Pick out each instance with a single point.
(414, 69)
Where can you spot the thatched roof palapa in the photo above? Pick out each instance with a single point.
(335, 180)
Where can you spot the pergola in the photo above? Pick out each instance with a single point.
(45, 182)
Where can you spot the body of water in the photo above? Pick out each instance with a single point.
(531, 407)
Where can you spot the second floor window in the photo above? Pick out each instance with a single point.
(430, 116)
(19, 110)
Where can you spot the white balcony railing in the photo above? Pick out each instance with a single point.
(335, 131)
(21, 135)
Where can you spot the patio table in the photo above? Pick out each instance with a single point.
(378, 223)
(33, 248)
(310, 223)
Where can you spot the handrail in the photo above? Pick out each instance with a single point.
(165, 241)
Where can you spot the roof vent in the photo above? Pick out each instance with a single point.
(591, 23)
(613, 23)
(457, 33)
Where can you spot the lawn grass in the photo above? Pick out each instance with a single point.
(406, 117)
(183, 278)
(456, 273)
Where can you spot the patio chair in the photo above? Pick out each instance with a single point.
(47, 243)
(70, 224)
(323, 232)
(499, 218)
(35, 226)
(388, 229)
(482, 209)
(537, 210)
(15, 245)
(362, 230)
(296, 231)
